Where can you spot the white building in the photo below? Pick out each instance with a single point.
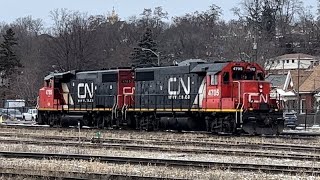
(281, 64)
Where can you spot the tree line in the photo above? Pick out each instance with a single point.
(79, 41)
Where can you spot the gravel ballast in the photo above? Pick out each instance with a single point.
(138, 170)
(148, 154)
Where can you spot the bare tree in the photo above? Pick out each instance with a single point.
(72, 38)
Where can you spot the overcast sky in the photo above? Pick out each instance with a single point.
(13, 9)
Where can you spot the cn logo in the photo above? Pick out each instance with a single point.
(174, 88)
(49, 92)
(84, 89)
(257, 98)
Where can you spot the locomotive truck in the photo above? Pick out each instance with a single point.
(228, 97)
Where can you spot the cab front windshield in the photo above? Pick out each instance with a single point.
(239, 73)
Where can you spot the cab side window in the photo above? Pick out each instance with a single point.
(213, 80)
(237, 75)
(260, 76)
(47, 83)
(226, 77)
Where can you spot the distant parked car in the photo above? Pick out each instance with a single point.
(31, 115)
(290, 120)
(11, 113)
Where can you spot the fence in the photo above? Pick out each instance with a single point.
(305, 117)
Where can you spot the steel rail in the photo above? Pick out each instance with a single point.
(45, 174)
(284, 135)
(220, 144)
(229, 152)
(315, 171)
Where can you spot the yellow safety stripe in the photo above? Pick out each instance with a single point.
(143, 109)
(183, 110)
(75, 109)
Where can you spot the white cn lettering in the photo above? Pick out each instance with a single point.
(170, 91)
(87, 90)
(261, 98)
(186, 88)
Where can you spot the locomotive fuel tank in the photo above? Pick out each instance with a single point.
(179, 123)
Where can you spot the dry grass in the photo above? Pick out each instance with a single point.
(16, 178)
(126, 169)
(191, 147)
(148, 154)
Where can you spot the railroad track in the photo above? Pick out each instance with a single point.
(229, 152)
(283, 135)
(286, 135)
(45, 174)
(216, 144)
(315, 171)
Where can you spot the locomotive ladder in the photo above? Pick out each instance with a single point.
(124, 111)
(114, 108)
(239, 106)
(239, 110)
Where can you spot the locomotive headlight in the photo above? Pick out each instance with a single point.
(260, 90)
(260, 86)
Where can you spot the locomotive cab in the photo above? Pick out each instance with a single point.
(241, 86)
(53, 93)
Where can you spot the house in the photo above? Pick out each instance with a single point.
(282, 90)
(317, 99)
(282, 64)
(308, 91)
(299, 92)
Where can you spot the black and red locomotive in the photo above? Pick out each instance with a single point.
(194, 95)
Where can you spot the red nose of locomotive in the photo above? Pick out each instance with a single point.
(256, 95)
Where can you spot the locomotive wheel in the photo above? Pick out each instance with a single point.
(220, 125)
(40, 119)
(208, 124)
(148, 123)
(107, 121)
(87, 120)
(99, 121)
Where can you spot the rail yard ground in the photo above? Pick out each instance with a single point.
(42, 152)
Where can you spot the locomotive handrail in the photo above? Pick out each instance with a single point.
(239, 91)
(239, 102)
(86, 103)
(165, 105)
(241, 121)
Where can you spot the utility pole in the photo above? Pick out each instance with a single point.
(298, 103)
(255, 48)
(282, 67)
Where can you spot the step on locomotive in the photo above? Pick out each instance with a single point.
(228, 97)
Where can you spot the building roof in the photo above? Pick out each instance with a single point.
(312, 83)
(295, 56)
(303, 75)
(209, 67)
(277, 80)
(189, 61)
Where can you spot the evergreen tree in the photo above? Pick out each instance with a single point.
(142, 56)
(8, 58)
(268, 19)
